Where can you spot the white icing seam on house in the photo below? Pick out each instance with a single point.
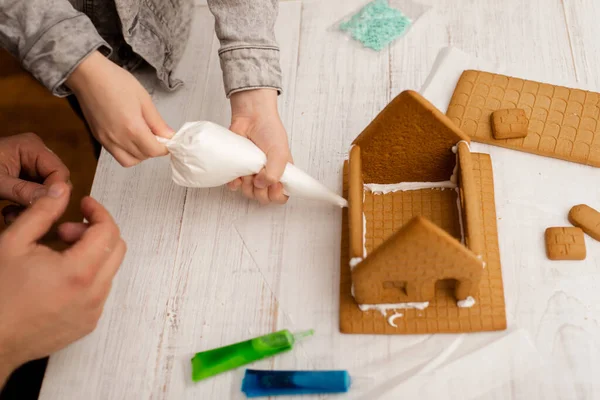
(354, 262)
(384, 308)
(455, 147)
(466, 303)
(480, 257)
(377, 188)
(393, 317)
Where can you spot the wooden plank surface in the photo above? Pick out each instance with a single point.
(206, 268)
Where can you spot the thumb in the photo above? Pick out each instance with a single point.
(20, 191)
(271, 173)
(32, 224)
(155, 122)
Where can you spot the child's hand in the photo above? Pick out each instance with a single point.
(255, 116)
(119, 111)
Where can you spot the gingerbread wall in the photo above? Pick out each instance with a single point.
(355, 203)
(407, 266)
(470, 204)
(409, 141)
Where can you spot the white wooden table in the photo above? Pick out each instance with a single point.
(206, 268)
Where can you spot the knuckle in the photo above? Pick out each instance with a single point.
(271, 178)
(31, 136)
(18, 190)
(133, 128)
(97, 299)
(83, 278)
(154, 152)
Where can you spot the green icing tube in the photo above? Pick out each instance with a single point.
(212, 362)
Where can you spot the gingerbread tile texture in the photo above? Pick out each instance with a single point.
(427, 246)
(563, 122)
(565, 243)
(586, 218)
(509, 123)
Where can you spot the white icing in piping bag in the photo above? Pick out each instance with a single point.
(204, 155)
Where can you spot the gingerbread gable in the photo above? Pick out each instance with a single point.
(409, 141)
(407, 266)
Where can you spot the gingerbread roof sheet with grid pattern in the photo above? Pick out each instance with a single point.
(563, 122)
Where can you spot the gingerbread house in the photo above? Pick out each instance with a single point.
(412, 152)
(419, 237)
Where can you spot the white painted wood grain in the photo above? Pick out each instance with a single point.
(206, 268)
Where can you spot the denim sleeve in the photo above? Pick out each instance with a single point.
(249, 53)
(49, 37)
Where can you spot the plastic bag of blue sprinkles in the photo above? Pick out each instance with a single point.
(380, 22)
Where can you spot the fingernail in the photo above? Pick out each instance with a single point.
(41, 192)
(56, 190)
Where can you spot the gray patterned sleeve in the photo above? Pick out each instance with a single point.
(49, 37)
(249, 53)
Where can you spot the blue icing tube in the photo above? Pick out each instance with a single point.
(259, 383)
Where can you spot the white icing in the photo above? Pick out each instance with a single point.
(393, 317)
(204, 155)
(466, 303)
(455, 147)
(354, 262)
(384, 308)
(483, 263)
(377, 188)
(454, 177)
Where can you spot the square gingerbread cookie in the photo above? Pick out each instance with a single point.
(564, 243)
(509, 123)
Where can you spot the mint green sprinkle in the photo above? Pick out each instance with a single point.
(376, 25)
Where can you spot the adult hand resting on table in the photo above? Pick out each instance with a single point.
(254, 115)
(119, 110)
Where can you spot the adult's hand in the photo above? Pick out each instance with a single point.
(25, 156)
(27, 169)
(49, 299)
(119, 110)
(254, 115)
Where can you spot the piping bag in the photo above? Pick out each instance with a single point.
(204, 155)
(212, 362)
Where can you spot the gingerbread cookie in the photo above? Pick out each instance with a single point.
(586, 218)
(509, 123)
(565, 243)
